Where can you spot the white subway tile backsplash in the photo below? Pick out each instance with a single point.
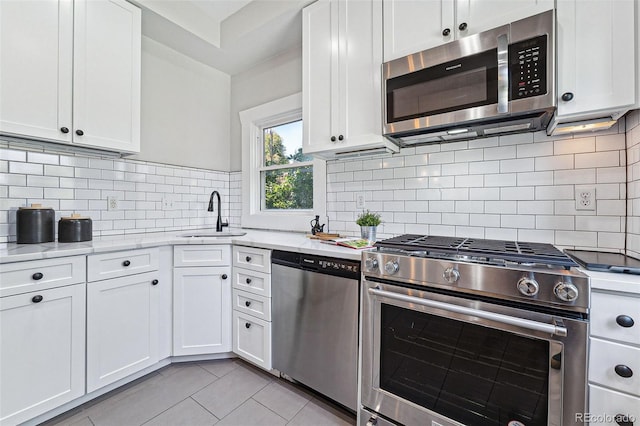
(557, 162)
(519, 138)
(39, 157)
(518, 166)
(25, 168)
(484, 167)
(574, 176)
(25, 192)
(611, 142)
(598, 159)
(574, 146)
(500, 153)
(540, 149)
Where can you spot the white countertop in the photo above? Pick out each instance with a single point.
(288, 241)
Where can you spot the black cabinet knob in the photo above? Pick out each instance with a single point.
(154, 282)
(37, 299)
(567, 96)
(79, 132)
(246, 324)
(624, 321)
(37, 276)
(333, 138)
(623, 371)
(64, 129)
(248, 258)
(446, 32)
(126, 263)
(623, 420)
(248, 280)
(462, 26)
(224, 276)
(340, 137)
(247, 303)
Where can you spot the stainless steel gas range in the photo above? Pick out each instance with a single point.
(471, 331)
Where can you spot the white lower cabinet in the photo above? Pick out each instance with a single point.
(614, 349)
(252, 305)
(42, 351)
(252, 339)
(122, 327)
(202, 300)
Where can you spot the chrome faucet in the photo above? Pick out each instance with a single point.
(219, 223)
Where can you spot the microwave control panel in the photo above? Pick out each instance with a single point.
(528, 68)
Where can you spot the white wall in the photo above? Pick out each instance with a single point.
(184, 110)
(279, 77)
(633, 183)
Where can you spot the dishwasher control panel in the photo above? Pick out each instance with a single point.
(327, 265)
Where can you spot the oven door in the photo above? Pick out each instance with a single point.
(431, 358)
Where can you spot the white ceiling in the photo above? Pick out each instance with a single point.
(229, 35)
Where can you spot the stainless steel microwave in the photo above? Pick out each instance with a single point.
(494, 82)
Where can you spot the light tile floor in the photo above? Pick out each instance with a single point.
(221, 392)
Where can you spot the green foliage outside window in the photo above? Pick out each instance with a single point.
(287, 188)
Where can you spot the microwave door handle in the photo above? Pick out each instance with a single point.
(504, 319)
(503, 73)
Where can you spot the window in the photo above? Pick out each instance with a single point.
(286, 173)
(282, 188)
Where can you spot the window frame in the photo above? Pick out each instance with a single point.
(254, 215)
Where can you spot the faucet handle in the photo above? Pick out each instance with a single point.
(225, 223)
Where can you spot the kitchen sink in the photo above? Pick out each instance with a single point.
(213, 234)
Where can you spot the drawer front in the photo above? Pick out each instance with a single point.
(608, 404)
(23, 277)
(252, 258)
(252, 339)
(252, 304)
(121, 263)
(609, 311)
(251, 281)
(202, 255)
(605, 357)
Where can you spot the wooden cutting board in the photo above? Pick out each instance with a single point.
(323, 236)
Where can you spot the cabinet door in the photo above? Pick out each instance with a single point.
(319, 75)
(596, 60)
(106, 96)
(201, 310)
(41, 352)
(612, 406)
(36, 41)
(473, 16)
(411, 26)
(122, 327)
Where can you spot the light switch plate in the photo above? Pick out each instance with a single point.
(360, 202)
(585, 198)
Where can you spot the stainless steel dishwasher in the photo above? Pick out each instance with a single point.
(315, 322)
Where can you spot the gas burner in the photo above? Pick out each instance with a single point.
(475, 250)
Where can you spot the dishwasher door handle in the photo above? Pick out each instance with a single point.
(491, 316)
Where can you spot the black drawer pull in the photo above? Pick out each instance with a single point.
(224, 276)
(248, 258)
(246, 324)
(462, 26)
(567, 96)
(154, 282)
(126, 263)
(446, 32)
(247, 303)
(37, 299)
(248, 280)
(64, 129)
(623, 420)
(37, 276)
(623, 371)
(79, 132)
(624, 321)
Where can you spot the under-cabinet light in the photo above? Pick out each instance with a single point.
(583, 126)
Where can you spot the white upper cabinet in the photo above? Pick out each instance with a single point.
(597, 50)
(341, 76)
(70, 72)
(411, 26)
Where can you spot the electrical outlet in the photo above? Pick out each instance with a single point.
(112, 203)
(167, 203)
(585, 198)
(360, 203)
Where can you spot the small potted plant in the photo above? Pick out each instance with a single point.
(368, 224)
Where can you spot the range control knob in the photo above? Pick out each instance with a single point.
(371, 264)
(391, 267)
(451, 275)
(566, 292)
(528, 286)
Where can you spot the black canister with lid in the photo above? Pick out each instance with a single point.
(35, 224)
(74, 229)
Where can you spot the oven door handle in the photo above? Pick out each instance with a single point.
(505, 319)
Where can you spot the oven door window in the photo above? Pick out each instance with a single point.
(465, 83)
(466, 372)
